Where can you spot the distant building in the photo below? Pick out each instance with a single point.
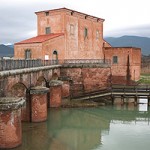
(68, 34)
(125, 62)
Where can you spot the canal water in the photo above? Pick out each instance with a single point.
(104, 128)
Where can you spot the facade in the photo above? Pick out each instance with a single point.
(69, 34)
(66, 33)
(125, 62)
(45, 47)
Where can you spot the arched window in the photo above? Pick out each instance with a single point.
(85, 32)
(54, 52)
(97, 34)
(55, 57)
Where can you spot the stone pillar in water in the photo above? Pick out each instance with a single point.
(25, 110)
(10, 122)
(55, 93)
(38, 112)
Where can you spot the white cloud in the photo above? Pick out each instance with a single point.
(18, 18)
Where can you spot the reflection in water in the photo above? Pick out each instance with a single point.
(75, 129)
(103, 128)
(143, 104)
(35, 137)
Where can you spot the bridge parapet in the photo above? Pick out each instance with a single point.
(26, 70)
(86, 63)
(11, 64)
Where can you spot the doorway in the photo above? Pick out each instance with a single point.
(55, 57)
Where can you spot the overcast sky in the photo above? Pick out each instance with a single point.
(122, 17)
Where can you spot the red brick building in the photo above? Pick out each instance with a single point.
(125, 62)
(66, 33)
(69, 34)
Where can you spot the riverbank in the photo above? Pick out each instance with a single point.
(144, 79)
(66, 103)
(101, 101)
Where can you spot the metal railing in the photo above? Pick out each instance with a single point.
(132, 90)
(124, 91)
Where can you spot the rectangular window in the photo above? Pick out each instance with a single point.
(115, 59)
(97, 34)
(47, 13)
(85, 32)
(72, 29)
(27, 54)
(47, 30)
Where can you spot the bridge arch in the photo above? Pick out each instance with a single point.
(41, 81)
(55, 76)
(18, 90)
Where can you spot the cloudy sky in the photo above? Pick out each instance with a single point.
(122, 17)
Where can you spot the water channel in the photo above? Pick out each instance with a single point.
(104, 128)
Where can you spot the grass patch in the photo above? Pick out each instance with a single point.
(144, 79)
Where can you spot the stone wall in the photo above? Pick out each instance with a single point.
(16, 82)
(87, 79)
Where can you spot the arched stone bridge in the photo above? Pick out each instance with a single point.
(16, 78)
(18, 82)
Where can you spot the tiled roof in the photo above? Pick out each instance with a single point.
(40, 38)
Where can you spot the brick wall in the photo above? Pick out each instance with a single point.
(54, 20)
(76, 45)
(38, 51)
(10, 129)
(129, 61)
(87, 79)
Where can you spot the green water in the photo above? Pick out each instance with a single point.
(103, 128)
